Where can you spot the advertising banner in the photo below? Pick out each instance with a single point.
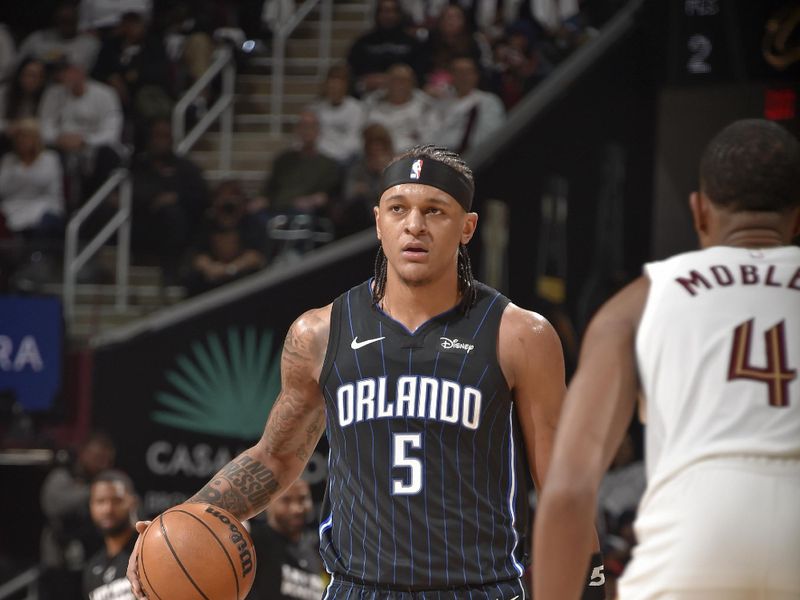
(181, 400)
(31, 347)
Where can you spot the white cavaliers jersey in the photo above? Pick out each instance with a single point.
(718, 352)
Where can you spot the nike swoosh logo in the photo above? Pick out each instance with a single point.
(355, 344)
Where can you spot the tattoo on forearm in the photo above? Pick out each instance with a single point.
(244, 484)
(312, 432)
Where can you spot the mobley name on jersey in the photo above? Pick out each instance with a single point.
(725, 275)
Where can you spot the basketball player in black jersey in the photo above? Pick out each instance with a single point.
(439, 399)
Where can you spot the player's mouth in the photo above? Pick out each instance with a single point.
(414, 251)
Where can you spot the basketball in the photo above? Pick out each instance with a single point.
(196, 552)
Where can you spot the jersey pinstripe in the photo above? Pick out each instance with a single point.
(428, 478)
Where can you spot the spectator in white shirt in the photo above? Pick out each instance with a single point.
(31, 198)
(62, 42)
(82, 118)
(341, 117)
(401, 108)
(470, 115)
(80, 112)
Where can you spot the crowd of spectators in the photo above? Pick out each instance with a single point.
(81, 88)
(93, 88)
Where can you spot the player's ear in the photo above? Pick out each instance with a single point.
(698, 205)
(376, 212)
(470, 224)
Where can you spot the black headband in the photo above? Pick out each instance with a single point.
(429, 172)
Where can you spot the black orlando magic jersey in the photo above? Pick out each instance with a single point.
(428, 477)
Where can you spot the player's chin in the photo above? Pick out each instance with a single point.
(415, 275)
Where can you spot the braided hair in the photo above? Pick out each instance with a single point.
(466, 281)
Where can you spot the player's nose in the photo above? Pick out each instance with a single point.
(415, 221)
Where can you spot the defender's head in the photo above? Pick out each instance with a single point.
(750, 171)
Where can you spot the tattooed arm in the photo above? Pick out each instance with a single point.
(247, 484)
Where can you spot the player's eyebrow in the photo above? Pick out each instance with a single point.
(434, 199)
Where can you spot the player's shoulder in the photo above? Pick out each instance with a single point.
(307, 340)
(527, 345)
(313, 323)
(523, 322)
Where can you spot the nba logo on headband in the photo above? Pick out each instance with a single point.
(416, 169)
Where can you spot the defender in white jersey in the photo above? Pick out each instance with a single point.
(711, 341)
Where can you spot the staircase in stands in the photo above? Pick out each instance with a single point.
(254, 147)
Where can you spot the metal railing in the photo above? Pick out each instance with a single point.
(287, 24)
(27, 579)
(120, 222)
(182, 142)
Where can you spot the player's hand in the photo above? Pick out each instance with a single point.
(133, 562)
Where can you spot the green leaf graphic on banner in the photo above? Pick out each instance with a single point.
(223, 393)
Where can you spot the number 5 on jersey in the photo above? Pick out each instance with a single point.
(776, 374)
(412, 483)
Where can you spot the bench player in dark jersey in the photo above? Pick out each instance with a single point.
(439, 399)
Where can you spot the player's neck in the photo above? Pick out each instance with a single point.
(116, 542)
(413, 305)
(755, 230)
(754, 239)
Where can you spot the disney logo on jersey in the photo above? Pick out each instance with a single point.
(455, 345)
